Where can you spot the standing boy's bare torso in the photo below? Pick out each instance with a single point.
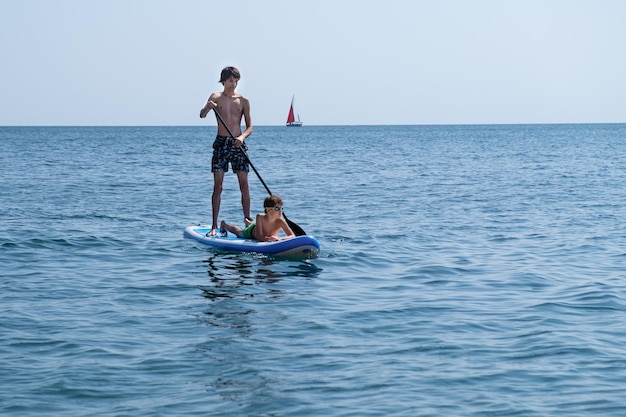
(231, 108)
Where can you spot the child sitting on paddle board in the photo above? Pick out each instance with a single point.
(267, 226)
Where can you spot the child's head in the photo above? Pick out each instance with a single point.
(229, 72)
(273, 202)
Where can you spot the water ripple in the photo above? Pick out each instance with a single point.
(482, 273)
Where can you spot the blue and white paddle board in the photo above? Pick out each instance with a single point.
(299, 247)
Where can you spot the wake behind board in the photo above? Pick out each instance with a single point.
(299, 247)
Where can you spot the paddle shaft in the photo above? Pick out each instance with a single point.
(297, 230)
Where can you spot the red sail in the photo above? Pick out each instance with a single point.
(290, 117)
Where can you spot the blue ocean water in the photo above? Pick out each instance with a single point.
(464, 271)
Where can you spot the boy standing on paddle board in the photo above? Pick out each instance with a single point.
(232, 106)
(267, 226)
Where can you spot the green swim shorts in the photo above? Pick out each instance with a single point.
(247, 232)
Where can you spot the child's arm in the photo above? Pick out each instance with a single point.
(288, 232)
(282, 225)
(286, 229)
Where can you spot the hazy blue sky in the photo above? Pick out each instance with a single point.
(155, 62)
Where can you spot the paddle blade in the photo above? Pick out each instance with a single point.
(297, 230)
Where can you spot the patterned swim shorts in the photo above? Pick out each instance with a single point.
(224, 151)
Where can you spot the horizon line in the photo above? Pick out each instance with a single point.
(333, 125)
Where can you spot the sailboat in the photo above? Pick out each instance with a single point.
(291, 120)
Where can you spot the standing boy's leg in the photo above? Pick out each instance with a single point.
(244, 187)
(219, 165)
(216, 198)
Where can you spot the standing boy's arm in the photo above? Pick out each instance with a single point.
(210, 104)
(247, 119)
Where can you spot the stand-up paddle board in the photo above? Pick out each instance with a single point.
(299, 247)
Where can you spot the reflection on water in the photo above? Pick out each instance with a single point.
(231, 274)
(246, 296)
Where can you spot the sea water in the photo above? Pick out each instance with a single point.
(464, 270)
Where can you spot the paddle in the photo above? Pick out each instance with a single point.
(296, 229)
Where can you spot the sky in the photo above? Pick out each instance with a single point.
(362, 62)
